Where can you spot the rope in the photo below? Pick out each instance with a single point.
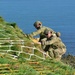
(22, 51)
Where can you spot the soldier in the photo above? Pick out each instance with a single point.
(53, 45)
(40, 30)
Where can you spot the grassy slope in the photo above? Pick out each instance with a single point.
(20, 66)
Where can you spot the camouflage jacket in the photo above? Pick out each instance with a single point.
(41, 32)
(53, 42)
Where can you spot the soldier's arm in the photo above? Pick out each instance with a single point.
(53, 40)
(43, 41)
(37, 32)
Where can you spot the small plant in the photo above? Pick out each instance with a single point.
(27, 70)
(1, 19)
(4, 60)
(13, 24)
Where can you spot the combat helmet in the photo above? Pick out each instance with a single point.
(47, 31)
(38, 23)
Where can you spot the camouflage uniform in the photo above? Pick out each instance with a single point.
(54, 46)
(40, 31)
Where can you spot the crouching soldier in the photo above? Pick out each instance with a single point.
(53, 45)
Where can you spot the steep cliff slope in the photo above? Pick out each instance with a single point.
(19, 55)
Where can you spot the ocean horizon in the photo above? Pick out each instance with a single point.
(56, 14)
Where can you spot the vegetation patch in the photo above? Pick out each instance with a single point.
(17, 59)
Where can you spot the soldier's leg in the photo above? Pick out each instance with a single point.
(51, 53)
(63, 51)
(59, 52)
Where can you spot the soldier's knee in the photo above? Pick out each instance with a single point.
(51, 54)
(63, 51)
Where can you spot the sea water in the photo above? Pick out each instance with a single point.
(56, 14)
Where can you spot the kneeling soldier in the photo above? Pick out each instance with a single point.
(53, 45)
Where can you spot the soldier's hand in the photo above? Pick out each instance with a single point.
(43, 42)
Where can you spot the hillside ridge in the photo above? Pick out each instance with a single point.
(19, 55)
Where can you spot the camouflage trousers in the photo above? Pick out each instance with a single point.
(56, 53)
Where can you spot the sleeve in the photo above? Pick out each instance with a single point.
(53, 40)
(44, 39)
(37, 32)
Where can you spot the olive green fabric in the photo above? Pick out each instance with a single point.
(54, 46)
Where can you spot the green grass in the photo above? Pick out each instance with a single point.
(58, 68)
(23, 66)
